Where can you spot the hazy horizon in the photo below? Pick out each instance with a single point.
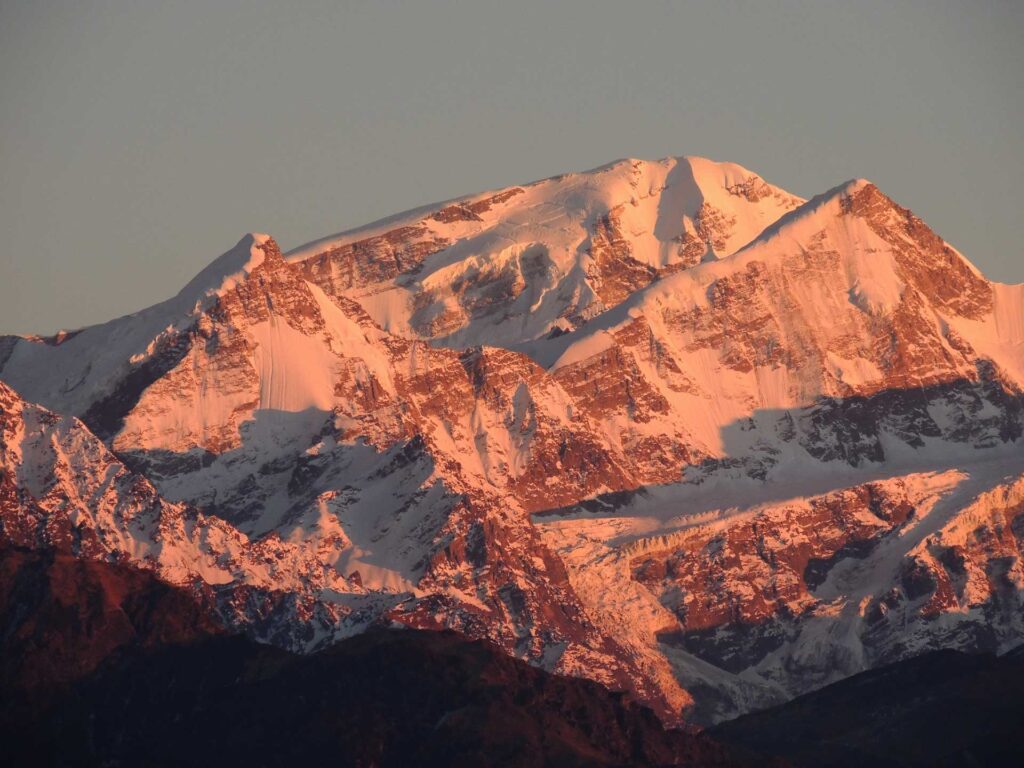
(138, 141)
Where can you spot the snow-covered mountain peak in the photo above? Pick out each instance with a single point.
(516, 264)
(228, 269)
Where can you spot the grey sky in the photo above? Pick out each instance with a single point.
(139, 140)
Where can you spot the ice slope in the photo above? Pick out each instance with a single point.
(67, 371)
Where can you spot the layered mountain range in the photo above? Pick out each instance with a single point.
(661, 425)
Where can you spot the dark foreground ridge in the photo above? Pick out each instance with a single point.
(150, 693)
(943, 708)
(104, 664)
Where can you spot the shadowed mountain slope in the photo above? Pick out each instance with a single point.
(944, 708)
(102, 664)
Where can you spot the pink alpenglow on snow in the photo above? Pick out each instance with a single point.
(661, 425)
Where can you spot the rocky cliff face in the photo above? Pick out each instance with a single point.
(662, 425)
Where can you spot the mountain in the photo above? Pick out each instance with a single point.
(661, 425)
(942, 708)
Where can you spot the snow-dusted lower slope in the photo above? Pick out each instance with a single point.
(766, 590)
(61, 488)
(659, 424)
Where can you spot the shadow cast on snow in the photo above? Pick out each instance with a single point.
(292, 475)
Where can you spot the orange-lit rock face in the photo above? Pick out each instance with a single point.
(615, 273)
(925, 260)
(718, 577)
(662, 425)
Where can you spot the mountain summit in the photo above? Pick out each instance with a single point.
(662, 425)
